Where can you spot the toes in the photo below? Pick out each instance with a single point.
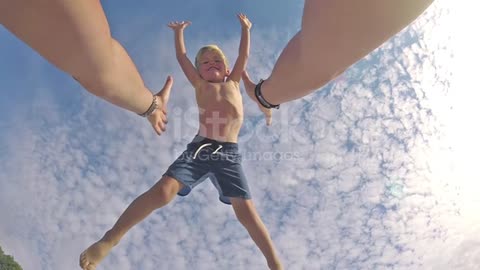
(85, 264)
(83, 260)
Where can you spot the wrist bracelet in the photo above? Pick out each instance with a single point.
(153, 107)
(261, 99)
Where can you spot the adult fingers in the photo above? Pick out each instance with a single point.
(268, 119)
(164, 118)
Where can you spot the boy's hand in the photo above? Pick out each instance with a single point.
(179, 25)
(250, 88)
(159, 118)
(244, 21)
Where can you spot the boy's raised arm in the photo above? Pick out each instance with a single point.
(181, 53)
(243, 50)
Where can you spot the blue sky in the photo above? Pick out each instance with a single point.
(377, 170)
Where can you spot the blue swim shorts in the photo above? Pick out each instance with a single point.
(218, 161)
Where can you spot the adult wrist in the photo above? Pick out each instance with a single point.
(153, 107)
(261, 99)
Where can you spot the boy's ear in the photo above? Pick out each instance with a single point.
(228, 72)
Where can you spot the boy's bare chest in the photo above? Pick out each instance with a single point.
(219, 94)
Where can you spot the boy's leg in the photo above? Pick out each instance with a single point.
(157, 196)
(248, 216)
(335, 34)
(75, 37)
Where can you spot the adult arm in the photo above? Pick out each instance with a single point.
(335, 34)
(75, 37)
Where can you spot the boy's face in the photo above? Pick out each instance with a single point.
(212, 67)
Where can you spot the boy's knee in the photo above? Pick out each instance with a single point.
(165, 190)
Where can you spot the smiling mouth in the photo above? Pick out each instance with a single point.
(213, 68)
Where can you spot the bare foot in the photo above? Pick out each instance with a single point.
(92, 256)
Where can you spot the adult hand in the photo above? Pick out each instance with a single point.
(158, 119)
(250, 89)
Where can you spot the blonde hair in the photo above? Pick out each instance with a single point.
(210, 48)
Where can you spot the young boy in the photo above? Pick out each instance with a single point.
(213, 152)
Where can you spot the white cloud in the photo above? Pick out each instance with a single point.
(374, 177)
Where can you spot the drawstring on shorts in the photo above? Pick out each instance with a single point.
(205, 145)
